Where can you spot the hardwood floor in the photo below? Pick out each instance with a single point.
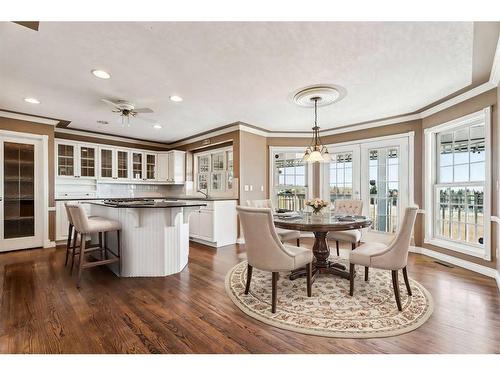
(41, 311)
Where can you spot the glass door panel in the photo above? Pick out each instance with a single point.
(65, 160)
(87, 161)
(290, 180)
(106, 163)
(19, 190)
(137, 165)
(122, 157)
(150, 166)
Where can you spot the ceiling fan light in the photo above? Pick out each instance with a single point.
(176, 98)
(32, 100)
(100, 74)
(157, 126)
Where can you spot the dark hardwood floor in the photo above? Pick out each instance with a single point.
(43, 312)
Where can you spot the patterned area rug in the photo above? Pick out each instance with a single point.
(331, 312)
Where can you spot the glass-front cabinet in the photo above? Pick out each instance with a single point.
(137, 158)
(150, 160)
(107, 163)
(214, 170)
(75, 160)
(122, 164)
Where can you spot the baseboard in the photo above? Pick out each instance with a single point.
(497, 277)
(240, 240)
(49, 243)
(483, 270)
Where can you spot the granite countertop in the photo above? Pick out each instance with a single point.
(147, 205)
(210, 199)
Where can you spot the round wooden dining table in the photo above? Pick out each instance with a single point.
(320, 226)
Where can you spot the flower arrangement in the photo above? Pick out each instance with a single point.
(316, 204)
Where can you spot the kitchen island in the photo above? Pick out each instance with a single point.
(155, 235)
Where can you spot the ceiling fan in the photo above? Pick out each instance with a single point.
(127, 110)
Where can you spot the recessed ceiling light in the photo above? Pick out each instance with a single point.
(101, 74)
(32, 100)
(176, 98)
(157, 126)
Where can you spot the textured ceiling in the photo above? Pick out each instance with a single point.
(230, 72)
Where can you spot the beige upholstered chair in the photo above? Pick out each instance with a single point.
(387, 257)
(85, 226)
(347, 207)
(283, 234)
(266, 252)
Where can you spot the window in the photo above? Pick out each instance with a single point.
(341, 176)
(214, 170)
(459, 199)
(289, 180)
(384, 188)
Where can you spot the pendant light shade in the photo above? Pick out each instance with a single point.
(316, 152)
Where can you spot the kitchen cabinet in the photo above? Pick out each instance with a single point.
(76, 160)
(214, 225)
(172, 167)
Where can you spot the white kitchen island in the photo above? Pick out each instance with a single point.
(154, 236)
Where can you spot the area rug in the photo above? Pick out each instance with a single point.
(331, 312)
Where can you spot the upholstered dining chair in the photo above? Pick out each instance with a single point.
(347, 207)
(266, 252)
(393, 257)
(283, 234)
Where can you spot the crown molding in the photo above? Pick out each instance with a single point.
(29, 118)
(495, 69)
(85, 133)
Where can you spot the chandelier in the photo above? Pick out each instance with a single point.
(316, 152)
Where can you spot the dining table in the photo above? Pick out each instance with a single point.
(320, 225)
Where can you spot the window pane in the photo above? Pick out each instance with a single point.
(300, 180)
(461, 173)
(392, 174)
(477, 171)
(444, 195)
(446, 174)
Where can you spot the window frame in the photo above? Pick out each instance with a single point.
(431, 184)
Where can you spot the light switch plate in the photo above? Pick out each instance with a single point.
(251, 187)
(246, 188)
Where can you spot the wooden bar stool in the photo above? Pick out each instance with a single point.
(85, 226)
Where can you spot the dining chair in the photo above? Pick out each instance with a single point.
(353, 236)
(393, 257)
(266, 252)
(283, 234)
(85, 226)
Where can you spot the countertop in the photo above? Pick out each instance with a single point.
(211, 199)
(150, 205)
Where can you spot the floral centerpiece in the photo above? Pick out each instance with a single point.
(317, 205)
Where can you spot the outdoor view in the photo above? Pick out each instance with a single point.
(460, 188)
(291, 175)
(341, 176)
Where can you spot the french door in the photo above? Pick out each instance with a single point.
(21, 203)
(375, 172)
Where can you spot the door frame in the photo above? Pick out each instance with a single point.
(382, 141)
(44, 184)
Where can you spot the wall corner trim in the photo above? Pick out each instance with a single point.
(495, 69)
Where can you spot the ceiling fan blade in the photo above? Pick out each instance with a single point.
(143, 110)
(33, 25)
(146, 119)
(110, 103)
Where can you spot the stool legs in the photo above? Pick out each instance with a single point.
(81, 259)
(73, 250)
(68, 243)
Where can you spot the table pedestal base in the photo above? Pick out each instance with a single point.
(321, 264)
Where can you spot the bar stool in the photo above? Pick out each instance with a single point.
(73, 246)
(84, 226)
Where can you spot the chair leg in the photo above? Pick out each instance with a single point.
(407, 282)
(338, 251)
(309, 277)
(395, 286)
(118, 250)
(351, 279)
(366, 273)
(81, 260)
(99, 236)
(353, 245)
(73, 251)
(68, 243)
(249, 278)
(274, 292)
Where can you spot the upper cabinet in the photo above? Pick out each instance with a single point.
(114, 164)
(75, 160)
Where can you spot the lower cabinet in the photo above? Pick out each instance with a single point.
(214, 225)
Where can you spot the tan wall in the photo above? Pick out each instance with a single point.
(472, 105)
(35, 128)
(253, 156)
